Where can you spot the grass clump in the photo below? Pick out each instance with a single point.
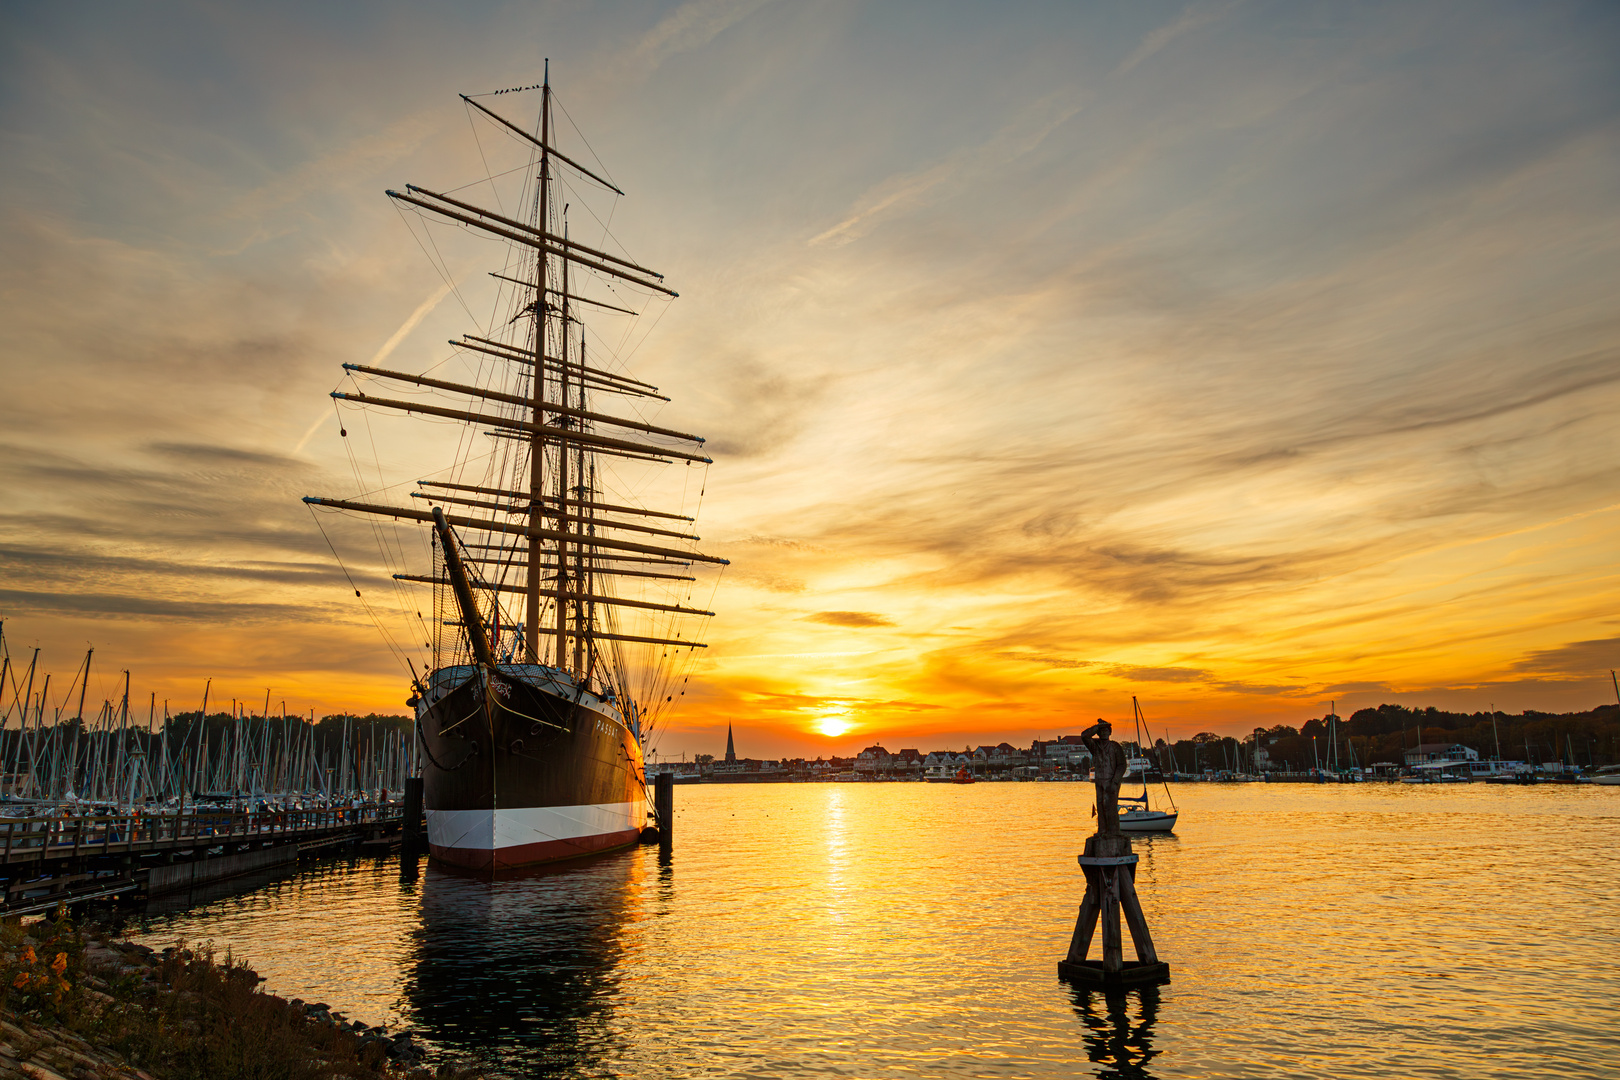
(180, 1015)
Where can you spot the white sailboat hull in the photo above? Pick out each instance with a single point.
(1147, 821)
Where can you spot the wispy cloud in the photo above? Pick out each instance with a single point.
(385, 351)
(691, 26)
(962, 169)
(1196, 17)
(849, 618)
(1578, 658)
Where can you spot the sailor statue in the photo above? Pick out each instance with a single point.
(1108, 767)
(1110, 869)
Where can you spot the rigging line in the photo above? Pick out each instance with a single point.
(535, 719)
(612, 349)
(662, 311)
(462, 460)
(489, 177)
(495, 316)
(629, 327)
(427, 228)
(371, 436)
(555, 100)
(442, 271)
(377, 527)
(493, 190)
(607, 233)
(435, 760)
(387, 637)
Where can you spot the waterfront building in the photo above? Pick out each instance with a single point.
(1427, 753)
(1067, 752)
(871, 760)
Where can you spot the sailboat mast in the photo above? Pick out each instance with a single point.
(537, 443)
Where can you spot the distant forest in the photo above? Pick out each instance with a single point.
(1384, 734)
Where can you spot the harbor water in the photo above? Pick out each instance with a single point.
(913, 930)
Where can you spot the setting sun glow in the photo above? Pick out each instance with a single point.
(833, 726)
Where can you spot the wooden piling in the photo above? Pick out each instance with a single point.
(664, 808)
(1110, 869)
(415, 835)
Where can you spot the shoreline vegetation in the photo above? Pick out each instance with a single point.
(79, 1003)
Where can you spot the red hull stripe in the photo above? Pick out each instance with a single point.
(510, 858)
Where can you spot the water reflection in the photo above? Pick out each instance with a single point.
(1113, 1041)
(527, 963)
(215, 891)
(898, 931)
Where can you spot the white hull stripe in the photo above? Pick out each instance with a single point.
(487, 830)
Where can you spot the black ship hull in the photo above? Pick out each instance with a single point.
(523, 766)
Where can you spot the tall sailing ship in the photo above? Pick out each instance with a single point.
(562, 600)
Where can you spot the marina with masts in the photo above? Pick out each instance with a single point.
(101, 800)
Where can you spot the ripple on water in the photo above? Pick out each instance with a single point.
(900, 930)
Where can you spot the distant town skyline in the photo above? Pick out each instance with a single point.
(1241, 358)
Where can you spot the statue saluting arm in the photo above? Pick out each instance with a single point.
(1108, 766)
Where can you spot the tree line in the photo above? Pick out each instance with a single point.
(1383, 734)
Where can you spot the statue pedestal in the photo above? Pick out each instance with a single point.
(1110, 869)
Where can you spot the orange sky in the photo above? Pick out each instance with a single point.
(1048, 357)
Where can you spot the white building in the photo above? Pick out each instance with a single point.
(1433, 753)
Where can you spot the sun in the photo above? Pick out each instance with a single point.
(833, 725)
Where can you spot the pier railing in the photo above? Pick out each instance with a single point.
(27, 840)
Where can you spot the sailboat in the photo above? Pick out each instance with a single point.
(561, 594)
(1140, 816)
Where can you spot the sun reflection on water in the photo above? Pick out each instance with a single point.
(912, 930)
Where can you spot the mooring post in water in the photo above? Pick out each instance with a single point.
(1110, 869)
(664, 808)
(415, 838)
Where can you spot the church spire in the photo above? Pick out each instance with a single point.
(731, 748)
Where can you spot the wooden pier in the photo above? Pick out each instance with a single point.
(45, 862)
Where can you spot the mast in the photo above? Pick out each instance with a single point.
(587, 583)
(457, 574)
(537, 446)
(78, 725)
(22, 732)
(123, 736)
(563, 446)
(45, 785)
(551, 537)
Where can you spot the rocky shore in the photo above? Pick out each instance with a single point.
(83, 1005)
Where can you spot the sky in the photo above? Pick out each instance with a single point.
(1240, 357)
